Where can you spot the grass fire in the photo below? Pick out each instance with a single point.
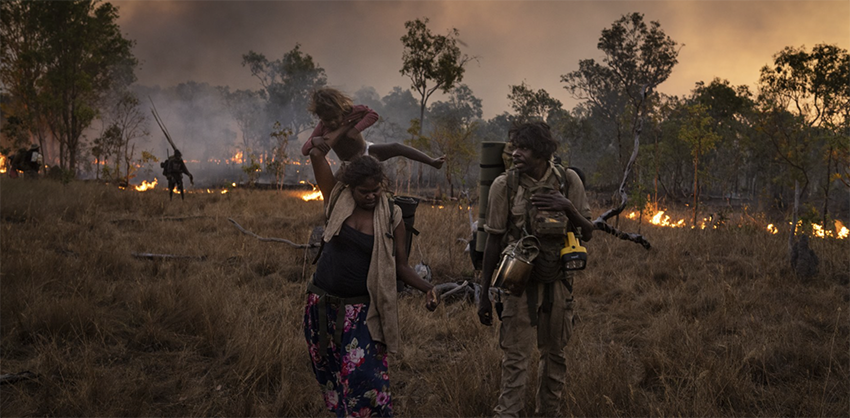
(709, 322)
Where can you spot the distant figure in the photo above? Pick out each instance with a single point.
(31, 163)
(341, 123)
(173, 168)
(17, 162)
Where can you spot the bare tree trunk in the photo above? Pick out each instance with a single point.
(696, 185)
(826, 187)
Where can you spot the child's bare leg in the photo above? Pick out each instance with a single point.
(384, 152)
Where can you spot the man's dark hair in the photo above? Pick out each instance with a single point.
(360, 169)
(535, 136)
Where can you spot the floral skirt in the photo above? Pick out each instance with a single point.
(352, 375)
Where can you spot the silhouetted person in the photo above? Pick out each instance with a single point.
(30, 164)
(174, 168)
(17, 162)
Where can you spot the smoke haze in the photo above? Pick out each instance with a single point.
(357, 42)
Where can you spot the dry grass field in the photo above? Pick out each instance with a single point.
(707, 323)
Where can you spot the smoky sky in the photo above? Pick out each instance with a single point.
(358, 42)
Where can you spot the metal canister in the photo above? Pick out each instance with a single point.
(516, 266)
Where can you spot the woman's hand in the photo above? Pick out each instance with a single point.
(432, 299)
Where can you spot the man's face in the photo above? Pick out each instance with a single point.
(366, 195)
(525, 161)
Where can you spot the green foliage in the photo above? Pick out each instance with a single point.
(252, 169)
(617, 93)
(83, 49)
(804, 103)
(456, 142)
(462, 106)
(279, 156)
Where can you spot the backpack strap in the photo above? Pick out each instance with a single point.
(512, 184)
(561, 174)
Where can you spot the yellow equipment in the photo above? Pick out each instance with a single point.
(573, 255)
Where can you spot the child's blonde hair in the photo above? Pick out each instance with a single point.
(330, 104)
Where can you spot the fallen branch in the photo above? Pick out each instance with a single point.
(151, 256)
(182, 218)
(285, 241)
(165, 219)
(636, 238)
(16, 377)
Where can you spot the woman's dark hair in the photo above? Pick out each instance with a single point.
(360, 169)
(535, 136)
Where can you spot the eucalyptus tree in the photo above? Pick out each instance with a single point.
(637, 58)
(454, 124)
(528, 104)
(72, 53)
(432, 62)
(288, 83)
(812, 88)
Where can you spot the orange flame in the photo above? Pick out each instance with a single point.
(841, 231)
(660, 219)
(818, 230)
(313, 195)
(236, 158)
(146, 186)
(2, 164)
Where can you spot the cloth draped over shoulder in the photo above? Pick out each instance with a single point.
(382, 318)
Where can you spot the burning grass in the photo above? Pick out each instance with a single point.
(710, 322)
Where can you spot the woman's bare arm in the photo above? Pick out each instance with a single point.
(322, 170)
(407, 275)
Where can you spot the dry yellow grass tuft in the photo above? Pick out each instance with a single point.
(708, 323)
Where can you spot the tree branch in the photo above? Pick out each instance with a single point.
(285, 241)
(600, 223)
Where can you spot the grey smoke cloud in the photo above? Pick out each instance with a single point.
(357, 42)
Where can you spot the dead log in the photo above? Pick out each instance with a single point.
(151, 256)
(272, 239)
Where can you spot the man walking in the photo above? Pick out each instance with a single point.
(174, 168)
(539, 198)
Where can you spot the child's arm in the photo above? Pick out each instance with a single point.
(364, 117)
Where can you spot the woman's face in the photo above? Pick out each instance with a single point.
(366, 194)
